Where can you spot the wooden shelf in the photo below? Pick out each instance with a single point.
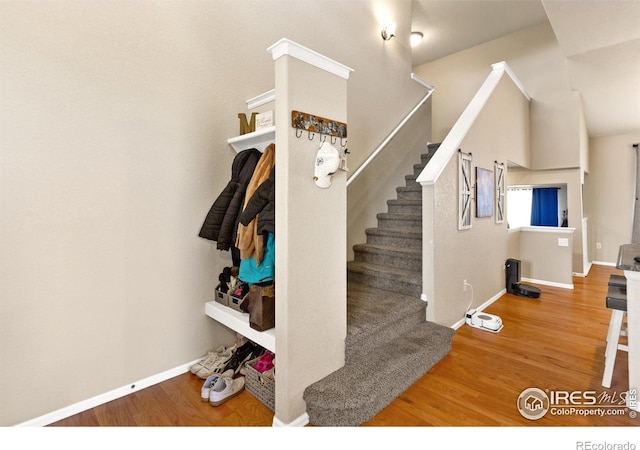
(257, 139)
(239, 322)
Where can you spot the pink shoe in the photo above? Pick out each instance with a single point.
(265, 362)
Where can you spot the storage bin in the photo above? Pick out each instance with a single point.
(235, 302)
(261, 387)
(222, 298)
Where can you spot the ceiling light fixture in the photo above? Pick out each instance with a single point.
(416, 37)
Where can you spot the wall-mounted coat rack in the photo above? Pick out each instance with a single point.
(314, 124)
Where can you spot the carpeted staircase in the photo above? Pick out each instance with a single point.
(389, 343)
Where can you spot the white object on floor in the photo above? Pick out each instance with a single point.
(483, 321)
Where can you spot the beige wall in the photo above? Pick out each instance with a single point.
(609, 192)
(478, 254)
(542, 257)
(311, 286)
(370, 190)
(573, 179)
(558, 136)
(114, 121)
(533, 54)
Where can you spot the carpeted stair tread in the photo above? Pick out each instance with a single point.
(396, 251)
(383, 271)
(408, 206)
(394, 233)
(389, 345)
(410, 180)
(412, 191)
(400, 216)
(363, 387)
(408, 282)
(375, 316)
(391, 256)
(394, 238)
(407, 202)
(413, 188)
(402, 221)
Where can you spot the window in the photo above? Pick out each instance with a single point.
(519, 206)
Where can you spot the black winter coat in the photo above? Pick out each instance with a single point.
(262, 202)
(221, 223)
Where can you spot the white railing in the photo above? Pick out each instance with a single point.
(449, 146)
(395, 131)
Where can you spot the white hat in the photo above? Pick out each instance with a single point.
(327, 163)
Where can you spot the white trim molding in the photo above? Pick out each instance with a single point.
(461, 322)
(419, 80)
(300, 421)
(503, 66)
(106, 397)
(563, 230)
(261, 99)
(604, 263)
(548, 283)
(395, 131)
(287, 47)
(452, 141)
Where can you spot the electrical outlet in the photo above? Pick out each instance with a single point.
(464, 285)
(598, 246)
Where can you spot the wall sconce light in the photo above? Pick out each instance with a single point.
(415, 38)
(388, 31)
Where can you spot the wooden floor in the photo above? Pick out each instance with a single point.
(553, 343)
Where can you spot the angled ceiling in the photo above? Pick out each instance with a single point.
(600, 41)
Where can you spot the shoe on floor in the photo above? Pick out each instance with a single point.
(210, 382)
(210, 355)
(216, 365)
(224, 389)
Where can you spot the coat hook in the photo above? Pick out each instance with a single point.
(334, 140)
(311, 136)
(341, 144)
(298, 136)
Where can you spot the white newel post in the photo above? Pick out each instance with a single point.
(310, 280)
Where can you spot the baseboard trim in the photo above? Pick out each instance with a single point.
(604, 263)
(101, 399)
(300, 421)
(461, 322)
(549, 283)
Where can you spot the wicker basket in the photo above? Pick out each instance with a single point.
(260, 387)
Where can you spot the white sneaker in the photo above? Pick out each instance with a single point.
(218, 364)
(211, 381)
(224, 389)
(210, 355)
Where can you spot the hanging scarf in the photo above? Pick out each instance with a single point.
(248, 241)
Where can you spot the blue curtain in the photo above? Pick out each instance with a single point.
(544, 207)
